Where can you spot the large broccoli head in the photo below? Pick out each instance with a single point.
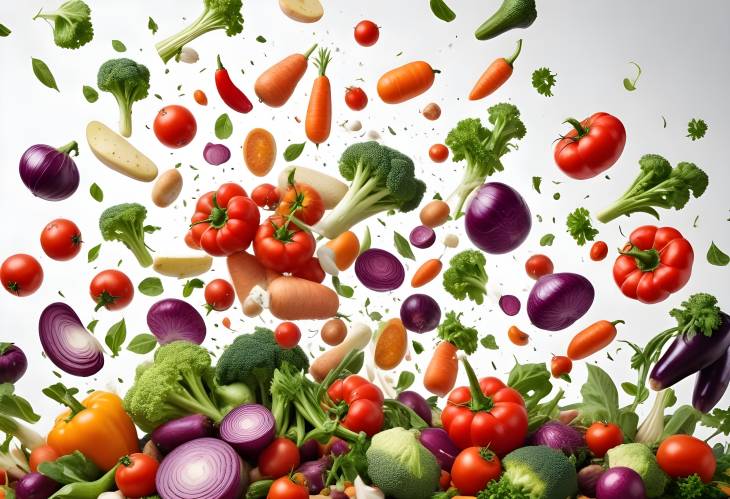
(72, 26)
(125, 223)
(641, 459)
(128, 82)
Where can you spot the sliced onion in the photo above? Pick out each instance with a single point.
(67, 343)
(216, 154)
(510, 304)
(205, 468)
(248, 428)
(379, 270)
(172, 319)
(422, 237)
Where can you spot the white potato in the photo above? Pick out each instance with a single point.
(304, 11)
(118, 154)
(182, 266)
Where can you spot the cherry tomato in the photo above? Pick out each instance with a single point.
(21, 274)
(684, 455)
(599, 250)
(444, 480)
(61, 239)
(601, 437)
(219, 294)
(356, 98)
(281, 457)
(135, 475)
(265, 196)
(285, 488)
(287, 335)
(473, 469)
(42, 454)
(365, 391)
(111, 289)
(538, 266)
(175, 126)
(560, 365)
(438, 153)
(367, 33)
(364, 415)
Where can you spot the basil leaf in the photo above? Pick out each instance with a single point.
(442, 11)
(93, 253)
(90, 94)
(489, 342)
(4, 31)
(405, 380)
(151, 286)
(92, 325)
(532, 381)
(142, 343)
(536, 181)
(115, 337)
(152, 25)
(417, 347)
(44, 75)
(547, 240)
(260, 39)
(96, 193)
(293, 151)
(190, 285)
(16, 406)
(71, 468)
(118, 46)
(716, 257)
(342, 290)
(683, 421)
(403, 246)
(223, 127)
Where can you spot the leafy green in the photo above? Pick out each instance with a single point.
(536, 181)
(683, 421)
(223, 127)
(71, 468)
(342, 289)
(579, 226)
(15, 406)
(489, 342)
(696, 129)
(90, 94)
(128, 82)
(293, 151)
(125, 223)
(533, 383)
(547, 240)
(719, 419)
(629, 84)
(96, 193)
(543, 80)
(116, 336)
(151, 286)
(71, 24)
(93, 253)
(403, 246)
(260, 39)
(417, 347)
(462, 337)
(152, 25)
(118, 46)
(142, 343)
(191, 285)
(43, 73)
(466, 276)
(4, 31)
(405, 380)
(715, 256)
(600, 398)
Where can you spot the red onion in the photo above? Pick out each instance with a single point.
(422, 237)
(417, 403)
(36, 486)
(176, 432)
(216, 154)
(510, 304)
(588, 478)
(558, 436)
(205, 468)
(248, 428)
(315, 472)
(420, 313)
(379, 270)
(438, 443)
(172, 319)
(620, 483)
(309, 450)
(556, 301)
(50, 173)
(339, 447)
(13, 363)
(67, 342)
(497, 218)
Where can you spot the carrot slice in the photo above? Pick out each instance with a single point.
(259, 151)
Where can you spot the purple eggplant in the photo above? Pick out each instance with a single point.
(686, 356)
(712, 381)
(13, 363)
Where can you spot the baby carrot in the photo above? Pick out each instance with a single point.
(592, 339)
(426, 272)
(495, 75)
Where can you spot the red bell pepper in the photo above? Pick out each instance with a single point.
(592, 147)
(655, 263)
(229, 92)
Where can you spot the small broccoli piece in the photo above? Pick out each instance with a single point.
(381, 179)
(462, 337)
(179, 382)
(699, 314)
(658, 186)
(218, 14)
(483, 148)
(641, 459)
(128, 82)
(71, 24)
(692, 487)
(466, 276)
(125, 223)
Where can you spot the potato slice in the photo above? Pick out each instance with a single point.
(304, 11)
(118, 154)
(182, 266)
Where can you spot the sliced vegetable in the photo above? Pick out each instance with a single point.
(67, 343)
(556, 301)
(379, 270)
(330, 189)
(248, 428)
(216, 154)
(510, 304)
(339, 253)
(182, 266)
(303, 11)
(172, 319)
(259, 151)
(50, 173)
(391, 344)
(422, 237)
(357, 339)
(117, 153)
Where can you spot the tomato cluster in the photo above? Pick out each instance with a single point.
(364, 403)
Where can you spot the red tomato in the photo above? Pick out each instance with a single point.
(287, 335)
(303, 201)
(684, 455)
(367, 33)
(364, 415)
(438, 153)
(356, 98)
(285, 488)
(282, 247)
(219, 294)
(365, 391)
(21, 274)
(560, 365)
(592, 147)
(311, 271)
(135, 475)
(599, 250)
(175, 126)
(280, 458)
(111, 289)
(42, 454)
(444, 480)
(265, 196)
(61, 239)
(538, 265)
(473, 469)
(601, 437)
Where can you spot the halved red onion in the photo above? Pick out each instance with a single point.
(510, 304)
(249, 428)
(216, 154)
(204, 468)
(172, 319)
(67, 343)
(422, 237)
(379, 270)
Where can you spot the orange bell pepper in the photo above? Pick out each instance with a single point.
(98, 426)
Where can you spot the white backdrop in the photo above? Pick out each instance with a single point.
(681, 47)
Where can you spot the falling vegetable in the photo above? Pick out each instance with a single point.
(579, 226)
(50, 173)
(495, 75)
(629, 84)
(443, 368)
(543, 80)
(276, 85)
(391, 343)
(71, 24)
(696, 129)
(318, 121)
(511, 14)
(128, 82)
(592, 339)
(229, 92)
(427, 272)
(406, 82)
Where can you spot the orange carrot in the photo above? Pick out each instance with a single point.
(246, 273)
(405, 82)
(275, 85)
(495, 75)
(292, 298)
(318, 122)
(592, 339)
(441, 372)
(339, 253)
(391, 345)
(426, 272)
(200, 97)
(357, 338)
(517, 336)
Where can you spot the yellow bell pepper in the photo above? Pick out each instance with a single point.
(98, 426)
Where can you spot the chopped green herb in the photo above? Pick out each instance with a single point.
(93, 253)
(579, 226)
(260, 39)
(547, 240)
(716, 257)
(696, 129)
(489, 342)
(151, 286)
(96, 193)
(90, 94)
(536, 181)
(119, 46)
(417, 347)
(629, 84)
(342, 290)
(191, 285)
(543, 80)
(152, 25)
(92, 325)
(405, 380)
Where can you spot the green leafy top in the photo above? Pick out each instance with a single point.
(543, 81)
(698, 314)
(696, 129)
(462, 337)
(72, 26)
(466, 276)
(692, 487)
(579, 226)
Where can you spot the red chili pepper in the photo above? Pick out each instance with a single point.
(229, 92)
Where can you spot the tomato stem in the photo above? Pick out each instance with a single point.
(646, 260)
(479, 401)
(582, 131)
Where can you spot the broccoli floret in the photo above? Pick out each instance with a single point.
(252, 359)
(381, 179)
(466, 276)
(692, 487)
(641, 459)
(482, 148)
(658, 186)
(128, 82)
(71, 24)
(125, 223)
(179, 382)
(699, 314)
(462, 337)
(218, 14)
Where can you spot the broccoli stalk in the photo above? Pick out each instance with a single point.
(658, 186)
(71, 24)
(462, 337)
(482, 148)
(218, 14)
(128, 82)
(125, 223)
(381, 179)
(466, 276)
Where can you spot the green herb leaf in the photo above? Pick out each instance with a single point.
(536, 181)
(90, 94)
(71, 468)
(600, 397)
(716, 256)
(403, 246)
(417, 347)
(151, 286)
(191, 285)
(149, 229)
(342, 290)
(16, 406)
(366, 240)
(93, 253)
(142, 343)
(116, 336)
(223, 127)
(442, 11)
(91, 326)
(44, 75)
(543, 81)
(405, 380)
(118, 46)
(293, 151)
(96, 193)
(260, 39)
(547, 240)
(579, 226)
(390, 129)
(4, 31)
(152, 25)
(629, 84)
(719, 419)
(683, 421)
(696, 129)
(664, 122)
(489, 342)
